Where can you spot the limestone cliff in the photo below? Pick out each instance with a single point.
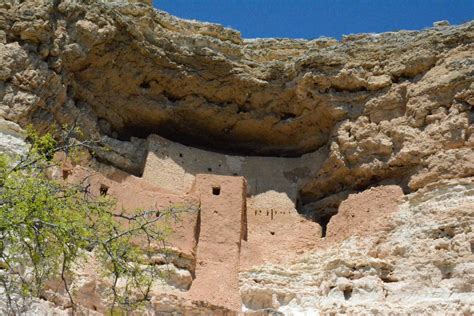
(385, 106)
(420, 263)
(371, 109)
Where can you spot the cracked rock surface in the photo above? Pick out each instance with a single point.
(421, 263)
(396, 105)
(383, 109)
(385, 105)
(132, 70)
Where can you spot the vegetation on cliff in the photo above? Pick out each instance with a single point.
(47, 226)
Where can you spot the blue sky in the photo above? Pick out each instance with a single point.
(314, 18)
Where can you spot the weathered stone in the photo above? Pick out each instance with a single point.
(420, 263)
(307, 123)
(128, 71)
(12, 138)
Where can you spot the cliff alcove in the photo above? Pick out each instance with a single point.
(223, 93)
(367, 141)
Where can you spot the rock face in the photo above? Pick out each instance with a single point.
(11, 138)
(307, 123)
(421, 263)
(385, 106)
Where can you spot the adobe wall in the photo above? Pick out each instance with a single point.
(275, 229)
(365, 213)
(246, 215)
(174, 166)
(232, 232)
(133, 194)
(222, 228)
(276, 232)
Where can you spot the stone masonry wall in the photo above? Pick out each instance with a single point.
(275, 229)
(174, 166)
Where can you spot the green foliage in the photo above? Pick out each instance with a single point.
(42, 146)
(46, 226)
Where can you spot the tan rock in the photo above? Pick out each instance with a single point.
(12, 138)
(306, 123)
(420, 263)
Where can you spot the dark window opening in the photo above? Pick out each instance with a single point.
(209, 169)
(347, 293)
(103, 190)
(66, 174)
(145, 85)
(235, 174)
(216, 190)
(181, 155)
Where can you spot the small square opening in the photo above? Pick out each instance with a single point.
(103, 190)
(216, 190)
(66, 174)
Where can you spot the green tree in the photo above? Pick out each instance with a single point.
(46, 226)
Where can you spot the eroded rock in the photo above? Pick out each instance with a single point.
(420, 263)
(336, 117)
(12, 138)
(382, 104)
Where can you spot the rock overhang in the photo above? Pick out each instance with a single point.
(128, 71)
(200, 85)
(393, 108)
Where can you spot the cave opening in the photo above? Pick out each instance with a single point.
(205, 140)
(320, 211)
(323, 221)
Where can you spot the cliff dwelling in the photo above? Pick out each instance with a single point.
(244, 211)
(328, 175)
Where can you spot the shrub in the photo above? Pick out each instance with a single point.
(46, 226)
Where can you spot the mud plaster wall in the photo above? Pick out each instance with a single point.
(275, 229)
(223, 225)
(134, 194)
(174, 166)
